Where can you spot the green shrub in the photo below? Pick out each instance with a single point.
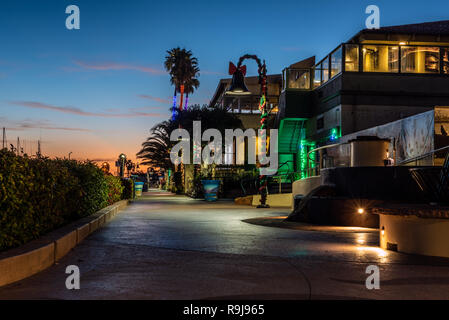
(93, 194)
(39, 195)
(178, 186)
(115, 189)
(128, 188)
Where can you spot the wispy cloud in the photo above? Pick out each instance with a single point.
(290, 48)
(108, 66)
(103, 159)
(146, 96)
(80, 112)
(44, 125)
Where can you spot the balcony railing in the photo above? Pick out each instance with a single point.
(373, 58)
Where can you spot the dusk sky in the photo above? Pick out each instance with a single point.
(97, 91)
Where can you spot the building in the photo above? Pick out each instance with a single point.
(379, 82)
(376, 77)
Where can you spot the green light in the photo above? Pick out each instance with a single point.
(335, 134)
(304, 147)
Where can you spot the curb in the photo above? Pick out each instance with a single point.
(22, 262)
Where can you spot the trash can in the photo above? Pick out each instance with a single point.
(210, 188)
(138, 186)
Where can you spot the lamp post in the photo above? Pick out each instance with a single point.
(120, 163)
(238, 88)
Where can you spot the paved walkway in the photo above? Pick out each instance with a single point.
(171, 247)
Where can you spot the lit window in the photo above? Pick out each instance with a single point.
(325, 70)
(317, 76)
(445, 60)
(351, 57)
(380, 58)
(420, 59)
(298, 79)
(336, 62)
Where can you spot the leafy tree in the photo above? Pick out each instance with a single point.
(156, 149)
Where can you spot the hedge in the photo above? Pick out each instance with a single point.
(128, 188)
(40, 195)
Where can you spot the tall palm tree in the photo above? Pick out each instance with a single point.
(170, 64)
(183, 69)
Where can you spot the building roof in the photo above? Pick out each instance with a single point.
(435, 29)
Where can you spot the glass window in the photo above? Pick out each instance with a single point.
(317, 76)
(380, 58)
(298, 79)
(351, 57)
(325, 70)
(445, 60)
(336, 62)
(420, 59)
(284, 79)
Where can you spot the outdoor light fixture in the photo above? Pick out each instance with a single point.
(238, 86)
(383, 231)
(360, 210)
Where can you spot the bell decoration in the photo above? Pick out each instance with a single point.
(238, 86)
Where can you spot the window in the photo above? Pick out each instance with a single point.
(336, 62)
(351, 57)
(325, 70)
(445, 60)
(420, 59)
(320, 123)
(298, 79)
(317, 76)
(380, 58)
(284, 79)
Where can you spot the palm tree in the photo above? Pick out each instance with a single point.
(156, 149)
(183, 69)
(190, 86)
(170, 64)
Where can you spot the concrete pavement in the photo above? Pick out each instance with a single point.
(172, 247)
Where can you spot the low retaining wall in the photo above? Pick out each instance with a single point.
(37, 255)
(415, 229)
(304, 186)
(275, 200)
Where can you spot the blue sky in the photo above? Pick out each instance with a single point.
(97, 91)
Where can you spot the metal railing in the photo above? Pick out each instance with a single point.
(319, 164)
(423, 156)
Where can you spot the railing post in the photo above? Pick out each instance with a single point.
(280, 182)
